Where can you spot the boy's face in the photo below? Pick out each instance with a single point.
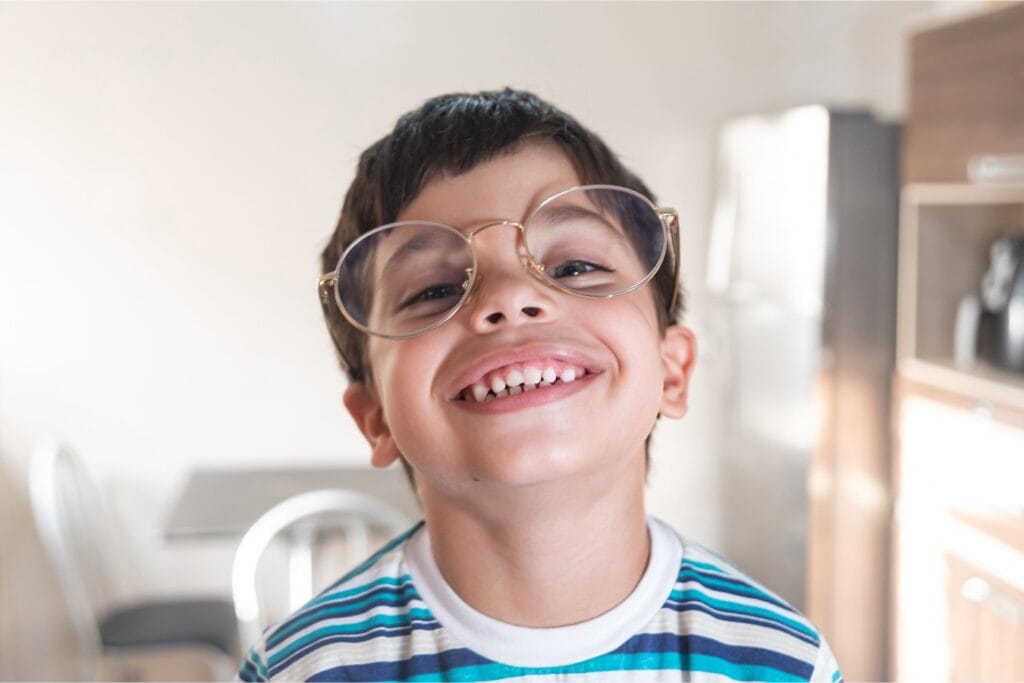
(418, 403)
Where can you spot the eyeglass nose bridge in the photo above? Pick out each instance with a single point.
(486, 226)
(532, 266)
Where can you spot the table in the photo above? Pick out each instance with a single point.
(224, 503)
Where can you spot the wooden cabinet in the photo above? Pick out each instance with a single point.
(986, 623)
(958, 589)
(964, 93)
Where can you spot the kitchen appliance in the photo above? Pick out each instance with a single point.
(1000, 339)
(802, 277)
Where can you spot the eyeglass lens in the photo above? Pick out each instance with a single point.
(403, 279)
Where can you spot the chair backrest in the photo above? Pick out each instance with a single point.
(302, 517)
(69, 515)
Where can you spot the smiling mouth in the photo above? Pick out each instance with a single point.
(520, 378)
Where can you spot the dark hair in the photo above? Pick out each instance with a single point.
(452, 134)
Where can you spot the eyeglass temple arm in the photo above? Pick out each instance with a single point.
(323, 288)
(324, 283)
(671, 220)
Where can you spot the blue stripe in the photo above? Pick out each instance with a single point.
(357, 628)
(382, 597)
(403, 580)
(688, 645)
(723, 616)
(732, 585)
(739, 608)
(740, 592)
(252, 667)
(836, 676)
(646, 652)
(248, 672)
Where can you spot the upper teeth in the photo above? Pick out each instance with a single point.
(515, 379)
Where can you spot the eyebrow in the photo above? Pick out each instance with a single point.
(570, 211)
(420, 242)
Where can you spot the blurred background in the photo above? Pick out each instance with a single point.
(170, 172)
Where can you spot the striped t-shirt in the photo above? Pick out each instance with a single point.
(691, 617)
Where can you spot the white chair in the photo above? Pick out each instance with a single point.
(304, 520)
(112, 633)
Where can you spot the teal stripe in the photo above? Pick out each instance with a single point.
(836, 676)
(300, 622)
(261, 670)
(729, 606)
(349, 629)
(704, 565)
(642, 661)
(732, 585)
(365, 588)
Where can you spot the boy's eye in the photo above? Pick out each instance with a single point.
(432, 293)
(575, 268)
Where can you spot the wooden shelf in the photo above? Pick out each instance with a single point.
(946, 232)
(987, 386)
(963, 194)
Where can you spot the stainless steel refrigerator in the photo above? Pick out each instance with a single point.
(802, 277)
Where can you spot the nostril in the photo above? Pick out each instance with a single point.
(494, 318)
(531, 311)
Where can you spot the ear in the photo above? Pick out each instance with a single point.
(678, 357)
(365, 408)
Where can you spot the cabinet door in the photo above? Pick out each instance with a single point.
(952, 459)
(986, 625)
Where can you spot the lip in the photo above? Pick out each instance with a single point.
(522, 354)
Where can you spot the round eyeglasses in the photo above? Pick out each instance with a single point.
(598, 241)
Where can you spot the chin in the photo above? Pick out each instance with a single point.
(526, 465)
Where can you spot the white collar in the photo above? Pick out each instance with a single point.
(545, 647)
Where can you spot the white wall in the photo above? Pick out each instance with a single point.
(168, 174)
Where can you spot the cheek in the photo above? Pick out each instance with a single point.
(646, 379)
(404, 370)
(637, 346)
(400, 363)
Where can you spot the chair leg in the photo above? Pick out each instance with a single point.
(224, 668)
(172, 663)
(120, 668)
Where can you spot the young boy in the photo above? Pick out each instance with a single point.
(510, 337)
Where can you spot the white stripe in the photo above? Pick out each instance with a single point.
(730, 633)
(745, 600)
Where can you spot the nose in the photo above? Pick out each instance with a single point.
(504, 293)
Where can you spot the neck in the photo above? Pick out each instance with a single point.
(558, 557)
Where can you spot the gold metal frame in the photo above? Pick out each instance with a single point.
(669, 219)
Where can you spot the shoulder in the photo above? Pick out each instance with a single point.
(370, 611)
(744, 630)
